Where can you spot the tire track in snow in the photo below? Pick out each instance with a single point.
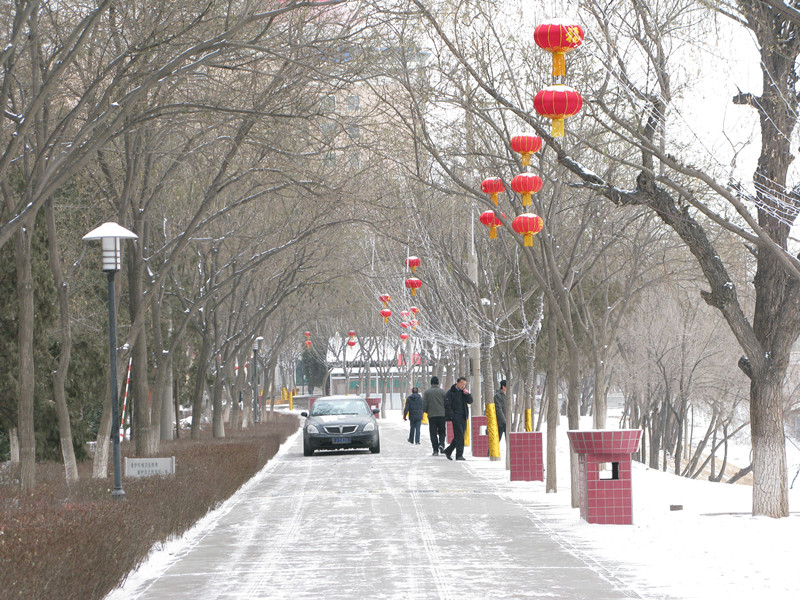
(439, 578)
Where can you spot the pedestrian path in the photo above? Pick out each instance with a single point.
(399, 524)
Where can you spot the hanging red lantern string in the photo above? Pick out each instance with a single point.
(413, 262)
(413, 284)
(526, 145)
(493, 186)
(526, 184)
(492, 221)
(385, 298)
(386, 313)
(558, 102)
(528, 225)
(558, 36)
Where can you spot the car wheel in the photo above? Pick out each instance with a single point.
(307, 449)
(376, 447)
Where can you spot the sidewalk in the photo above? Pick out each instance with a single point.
(400, 524)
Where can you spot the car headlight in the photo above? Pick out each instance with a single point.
(369, 427)
(312, 429)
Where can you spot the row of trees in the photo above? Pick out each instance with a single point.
(275, 156)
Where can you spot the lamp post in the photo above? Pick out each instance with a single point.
(110, 235)
(255, 378)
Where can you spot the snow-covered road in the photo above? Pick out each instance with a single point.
(400, 524)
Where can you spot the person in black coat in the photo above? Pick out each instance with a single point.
(456, 407)
(413, 411)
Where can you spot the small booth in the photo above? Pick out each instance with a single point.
(604, 461)
(527, 455)
(374, 402)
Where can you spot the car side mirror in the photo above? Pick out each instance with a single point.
(375, 410)
(304, 414)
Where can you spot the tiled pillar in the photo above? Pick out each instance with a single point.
(480, 439)
(604, 463)
(527, 456)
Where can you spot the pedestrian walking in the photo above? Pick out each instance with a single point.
(456, 406)
(500, 410)
(413, 411)
(433, 404)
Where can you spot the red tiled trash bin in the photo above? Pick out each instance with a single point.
(375, 402)
(604, 463)
(480, 441)
(527, 456)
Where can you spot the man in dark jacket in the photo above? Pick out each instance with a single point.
(433, 404)
(500, 410)
(413, 410)
(456, 406)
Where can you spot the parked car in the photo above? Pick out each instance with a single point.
(337, 422)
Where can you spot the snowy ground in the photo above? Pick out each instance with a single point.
(711, 549)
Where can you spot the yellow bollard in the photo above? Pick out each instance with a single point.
(493, 431)
(291, 401)
(528, 419)
(424, 418)
(283, 394)
(467, 432)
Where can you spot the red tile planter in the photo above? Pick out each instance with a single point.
(604, 462)
(527, 456)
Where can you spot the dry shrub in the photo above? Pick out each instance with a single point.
(60, 542)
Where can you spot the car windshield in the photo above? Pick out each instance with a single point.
(339, 407)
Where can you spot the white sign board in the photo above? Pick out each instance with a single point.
(144, 467)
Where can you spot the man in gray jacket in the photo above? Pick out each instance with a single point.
(433, 404)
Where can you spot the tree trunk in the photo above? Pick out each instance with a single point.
(103, 442)
(25, 385)
(770, 487)
(199, 385)
(551, 392)
(60, 373)
(217, 425)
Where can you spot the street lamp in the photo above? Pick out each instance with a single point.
(110, 235)
(255, 378)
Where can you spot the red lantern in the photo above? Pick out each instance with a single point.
(558, 37)
(526, 145)
(492, 221)
(404, 336)
(413, 309)
(528, 224)
(404, 313)
(413, 262)
(351, 334)
(526, 184)
(386, 313)
(307, 334)
(404, 325)
(414, 324)
(493, 186)
(558, 102)
(351, 343)
(308, 343)
(413, 283)
(385, 299)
